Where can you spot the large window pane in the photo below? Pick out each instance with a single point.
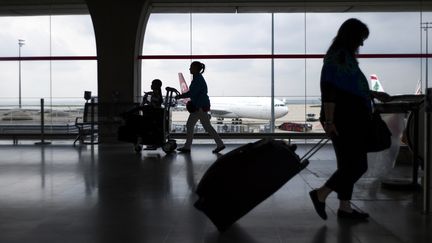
(397, 76)
(71, 78)
(34, 30)
(72, 36)
(289, 33)
(231, 34)
(60, 83)
(228, 87)
(389, 32)
(162, 36)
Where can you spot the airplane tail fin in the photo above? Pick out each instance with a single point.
(418, 90)
(183, 85)
(183, 88)
(375, 83)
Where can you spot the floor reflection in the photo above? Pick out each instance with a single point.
(88, 167)
(110, 194)
(42, 167)
(347, 230)
(321, 235)
(234, 234)
(119, 205)
(190, 173)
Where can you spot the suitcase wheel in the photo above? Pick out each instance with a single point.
(138, 148)
(169, 146)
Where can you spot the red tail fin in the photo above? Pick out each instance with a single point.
(184, 88)
(183, 85)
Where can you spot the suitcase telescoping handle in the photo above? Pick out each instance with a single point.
(304, 160)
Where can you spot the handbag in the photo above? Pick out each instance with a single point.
(190, 107)
(379, 135)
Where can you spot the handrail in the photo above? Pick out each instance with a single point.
(282, 135)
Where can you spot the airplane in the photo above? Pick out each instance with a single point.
(377, 86)
(375, 83)
(241, 107)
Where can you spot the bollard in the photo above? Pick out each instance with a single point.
(42, 142)
(92, 121)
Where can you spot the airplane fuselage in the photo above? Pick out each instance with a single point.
(241, 107)
(246, 107)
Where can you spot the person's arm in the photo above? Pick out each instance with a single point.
(329, 108)
(145, 99)
(381, 96)
(328, 96)
(329, 126)
(184, 95)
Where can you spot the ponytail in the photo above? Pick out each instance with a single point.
(202, 68)
(200, 65)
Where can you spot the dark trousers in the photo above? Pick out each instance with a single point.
(351, 165)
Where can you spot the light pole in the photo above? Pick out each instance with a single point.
(20, 44)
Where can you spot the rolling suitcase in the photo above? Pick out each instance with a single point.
(244, 177)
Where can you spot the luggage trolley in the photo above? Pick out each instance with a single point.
(150, 126)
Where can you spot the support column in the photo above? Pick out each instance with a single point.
(427, 193)
(119, 30)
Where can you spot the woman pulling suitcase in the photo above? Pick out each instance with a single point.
(346, 109)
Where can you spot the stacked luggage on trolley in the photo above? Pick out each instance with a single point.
(150, 126)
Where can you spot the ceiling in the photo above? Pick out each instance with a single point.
(59, 7)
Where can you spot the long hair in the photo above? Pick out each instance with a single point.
(350, 36)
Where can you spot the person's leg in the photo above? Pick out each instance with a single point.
(352, 164)
(356, 168)
(190, 125)
(323, 192)
(205, 121)
(319, 196)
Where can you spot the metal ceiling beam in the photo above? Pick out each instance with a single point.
(60, 7)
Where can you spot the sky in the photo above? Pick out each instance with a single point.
(294, 33)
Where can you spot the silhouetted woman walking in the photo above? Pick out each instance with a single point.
(345, 112)
(198, 107)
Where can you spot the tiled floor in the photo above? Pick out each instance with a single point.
(107, 193)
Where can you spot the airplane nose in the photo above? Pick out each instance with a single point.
(281, 111)
(285, 110)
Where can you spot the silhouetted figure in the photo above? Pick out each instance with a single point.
(198, 106)
(154, 97)
(345, 112)
(151, 100)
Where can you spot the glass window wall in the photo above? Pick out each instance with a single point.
(29, 75)
(298, 37)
